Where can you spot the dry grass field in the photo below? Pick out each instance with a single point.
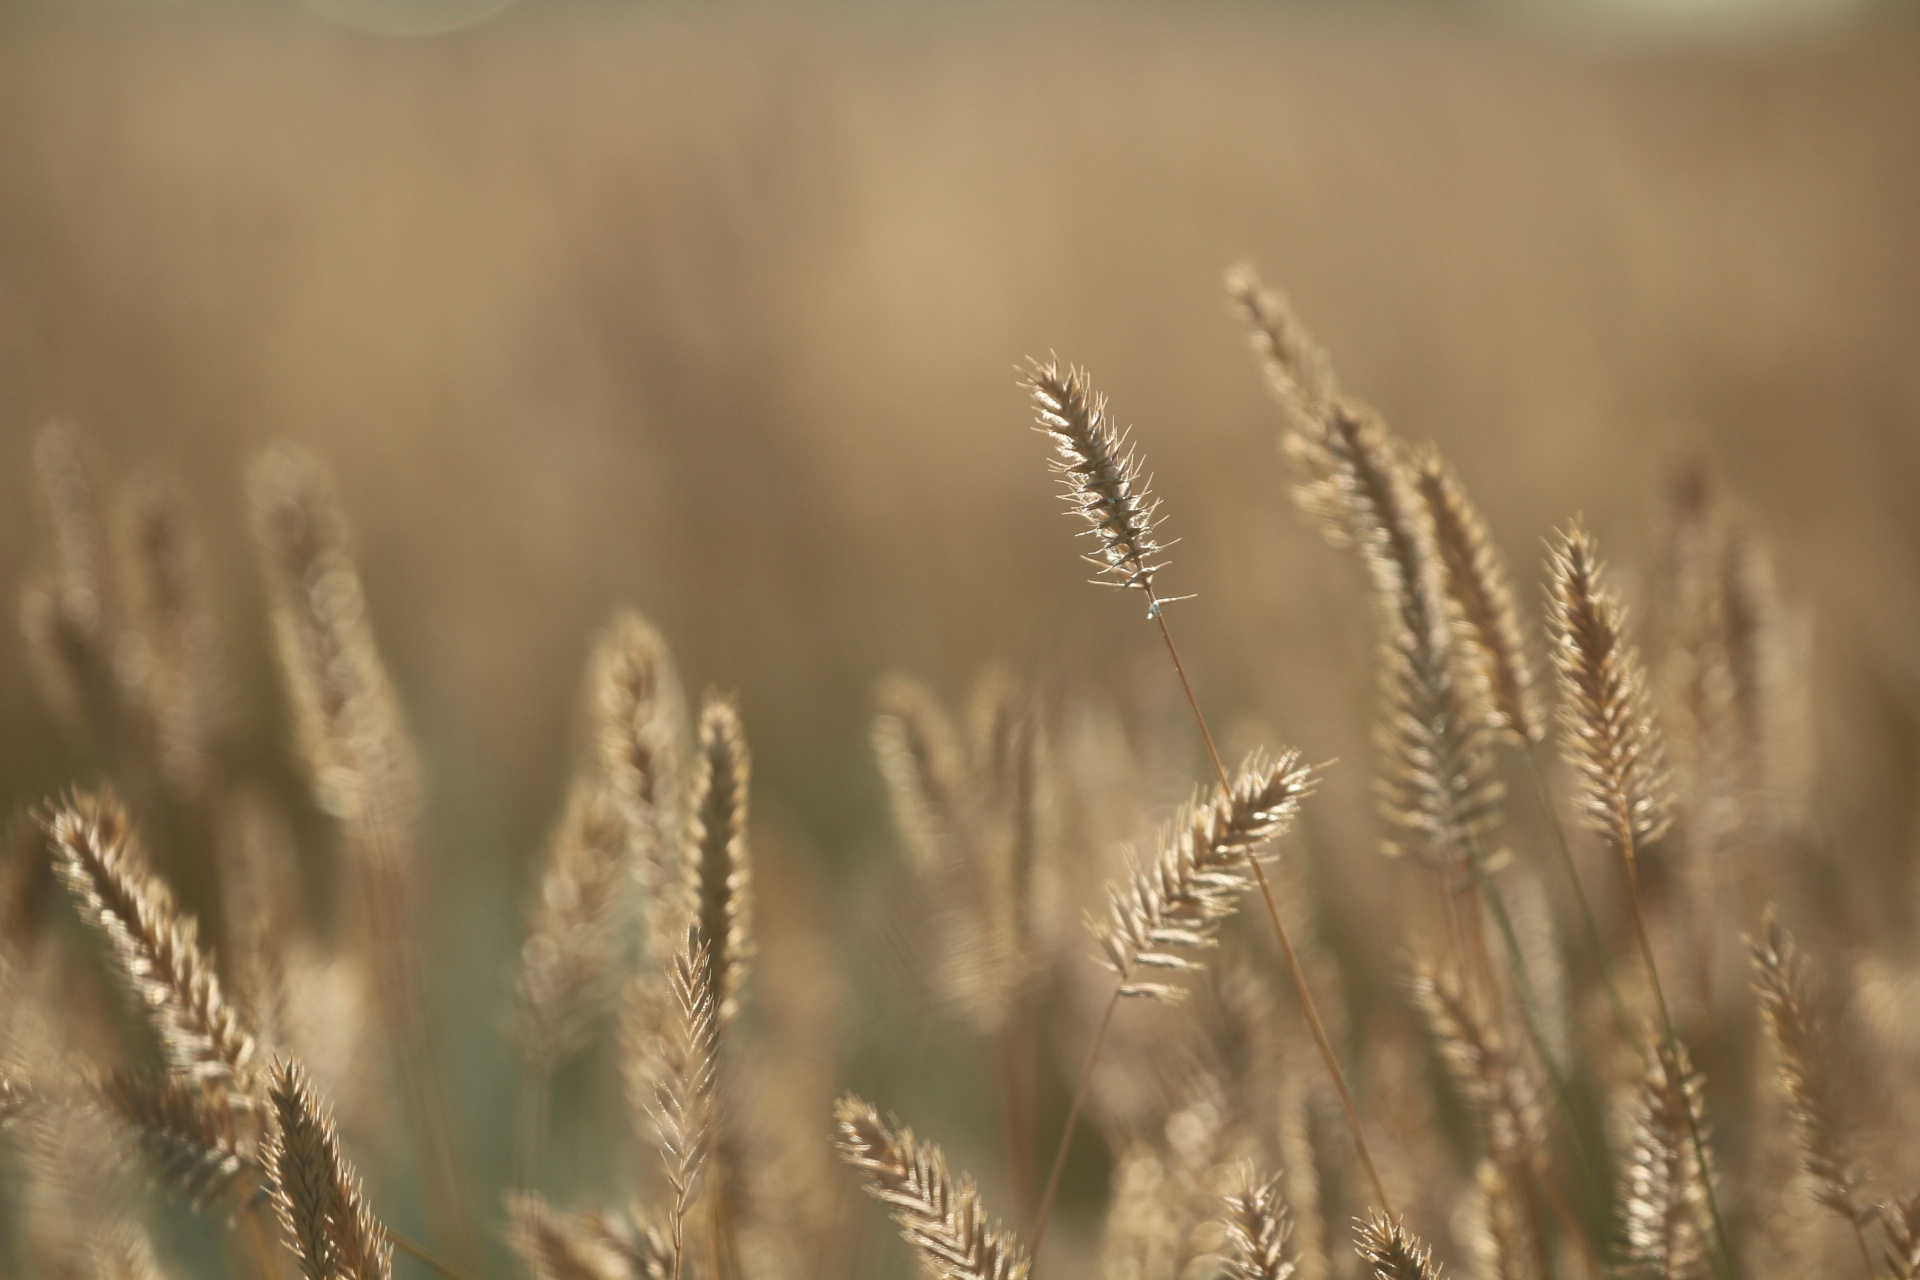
(721, 316)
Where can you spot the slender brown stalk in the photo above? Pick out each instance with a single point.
(1103, 485)
(1045, 1212)
(939, 1215)
(1295, 969)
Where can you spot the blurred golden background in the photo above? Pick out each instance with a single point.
(717, 312)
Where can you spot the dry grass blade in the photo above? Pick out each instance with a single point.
(639, 715)
(1611, 739)
(1171, 906)
(183, 1135)
(717, 853)
(1257, 1229)
(1663, 1214)
(1786, 1004)
(154, 947)
(1484, 1071)
(1393, 1252)
(347, 716)
(567, 961)
(1484, 613)
(316, 1192)
(1100, 474)
(939, 1216)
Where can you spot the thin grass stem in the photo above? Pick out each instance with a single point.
(1721, 1238)
(1307, 1004)
(1591, 922)
(1066, 1136)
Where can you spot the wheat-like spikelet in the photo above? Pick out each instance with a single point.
(349, 726)
(155, 948)
(1902, 1222)
(1392, 1251)
(1171, 906)
(925, 770)
(555, 1247)
(317, 1194)
(969, 817)
(123, 1251)
(1486, 619)
(1296, 366)
(1611, 739)
(1011, 764)
(1257, 1229)
(1664, 1200)
(639, 712)
(1484, 1071)
(1100, 474)
(16, 1096)
(567, 961)
(717, 864)
(1437, 783)
(643, 1249)
(184, 1136)
(1820, 1121)
(179, 657)
(1142, 1236)
(72, 616)
(684, 1056)
(938, 1215)
(1497, 1232)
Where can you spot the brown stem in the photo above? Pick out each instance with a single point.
(1066, 1136)
(1629, 856)
(1305, 992)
